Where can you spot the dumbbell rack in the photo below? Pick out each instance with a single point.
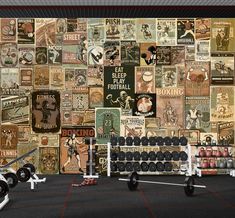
(200, 171)
(186, 171)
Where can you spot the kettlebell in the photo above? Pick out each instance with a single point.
(229, 163)
(218, 153)
(213, 142)
(214, 152)
(209, 152)
(222, 164)
(225, 153)
(204, 163)
(204, 142)
(212, 163)
(202, 152)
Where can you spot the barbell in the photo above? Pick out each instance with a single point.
(189, 183)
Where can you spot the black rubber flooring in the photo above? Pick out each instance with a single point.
(111, 198)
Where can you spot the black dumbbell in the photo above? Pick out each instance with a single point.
(144, 167)
(167, 155)
(136, 166)
(160, 166)
(159, 141)
(136, 155)
(160, 156)
(167, 141)
(175, 141)
(168, 166)
(152, 141)
(114, 156)
(183, 156)
(175, 155)
(129, 155)
(136, 141)
(183, 141)
(113, 167)
(129, 167)
(152, 167)
(121, 155)
(144, 155)
(113, 140)
(152, 156)
(129, 141)
(144, 140)
(121, 166)
(121, 141)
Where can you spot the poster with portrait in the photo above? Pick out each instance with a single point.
(185, 31)
(113, 28)
(95, 30)
(128, 29)
(26, 31)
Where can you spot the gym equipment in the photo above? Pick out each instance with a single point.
(160, 141)
(144, 166)
(113, 167)
(205, 164)
(225, 152)
(189, 183)
(129, 141)
(152, 141)
(129, 167)
(202, 152)
(160, 166)
(168, 166)
(152, 156)
(160, 156)
(113, 141)
(136, 166)
(212, 163)
(114, 156)
(230, 163)
(175, 141)
(208, 151)
(12, 179)
(121, 141)
(129, 155)
(136, 141)
(4, 189)
(167, 155)
(121, 155)
(175, 155)
(167, 141)
(183, 141)
(183, 156)
(152, 167)
(23, 174)
(144, 156)
(121, 166)
(136, 155)
(144, 140)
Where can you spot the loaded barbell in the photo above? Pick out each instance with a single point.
(189, 183)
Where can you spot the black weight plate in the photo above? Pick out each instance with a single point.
(129, 155)
(23, 174)
(160, 166)
(159, 141)
(160, 156)
(175, 141)
(4, 189)
(133, 181)
(144, 166)
(167, 155)
(189, 186)
(136, 166)
(31, 167)
(168, 166)
(114, 156)
(113, 141)
(136, 140)
(121, 155)
(175, 155)
(183, 156)
(152, 155)
(121, 166)
(144, 155)
(121, 140)
(12, 179)
(113, 167)
(183, 141)
(136, 155)
(167, 140)
(144, 140)
(152, 167)
(129, 141)
(129, 167)
(152, 141)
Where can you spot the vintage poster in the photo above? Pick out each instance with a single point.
(222, 103)
(45, 31)
(148, 54)
(80, 101)
(48, 160)
(41, 55)
(80, 80)
(212, 135)
(180, 69)
(81, 25)
(222, 35)
(193, 136)
(113, 28)
(46, 140)
(153, 122)
(46, 111)
(130, 53)
(8, 29)
(170, 107)
(83, 118)
(24, 132)
(112, 53)
(69, 78)
(146, 30)
(155, 132)
(119, 87)
(66, 117)
(77, 38)
(202, 51)
(145, 105)
(55, 54)
(26, 55)
(26, 31)
(96, 30)
(166, 32)
(131, 126)
(177, 55)
(72, 25)
(26, 76)
(226, 133)
(66, 100)
(128, 29)
(95, 54)
(107, 124)
(9, 81)
(24, 148)
(9, 54)
(15, 109)
(190, 53)
(95, 75)
(169, 76)
(75, 55)
(61, 26)
(96, 97)
(185, 31)
(197, 78)
(197, 113)
(73, 150)
(145, 79)
(41, 77)
(222, 68)
(158, 77)
(57, 78)
(163, 55)
(202, 28)
(9, 137)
